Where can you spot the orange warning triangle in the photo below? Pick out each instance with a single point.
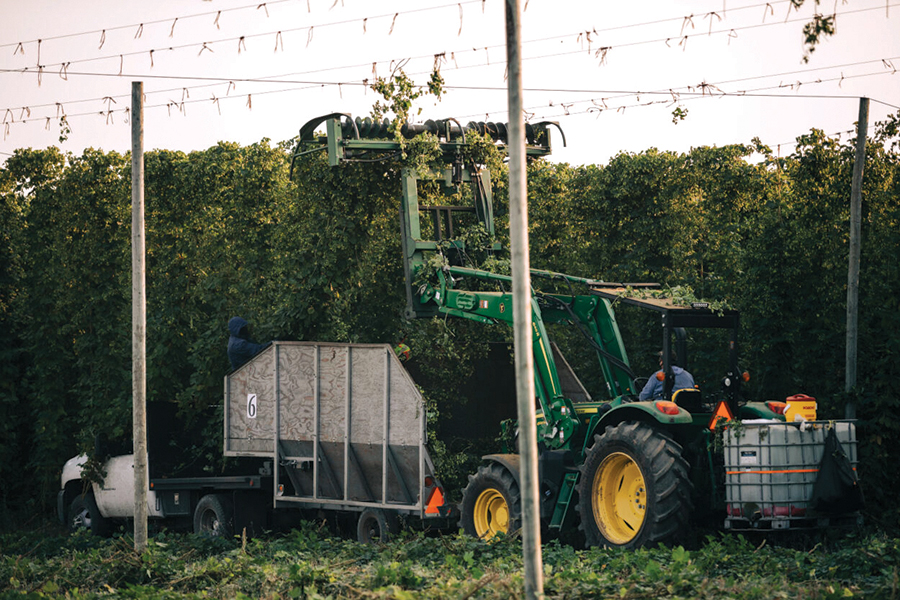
(722, 412)
(436, 500)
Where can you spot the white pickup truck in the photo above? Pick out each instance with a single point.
(209, 502)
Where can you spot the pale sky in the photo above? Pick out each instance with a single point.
(581, 56)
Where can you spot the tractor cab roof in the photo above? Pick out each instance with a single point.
(675, 312)
(677, 317)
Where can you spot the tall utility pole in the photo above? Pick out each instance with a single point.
(521, 276)
(138, 319)
(859, 164)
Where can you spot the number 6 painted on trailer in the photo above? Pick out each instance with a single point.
(251, 406)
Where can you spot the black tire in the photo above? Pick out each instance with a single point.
(491, 503)
(214, 516)
(634, 488)
(84, 515)
(376, 525)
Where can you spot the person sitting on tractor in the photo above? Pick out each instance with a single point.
(655, 387)
(240, 347)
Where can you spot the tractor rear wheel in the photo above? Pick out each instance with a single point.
(491, 503)
(634, 488)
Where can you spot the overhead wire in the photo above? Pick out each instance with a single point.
(180, 106)
(710, 91)
(318, 84)
(136, 25)
(64, 65)
(255, 5)
(280, 79)
(204, 45)
(602, 51)
(537, 115)
(889, 105)
(713, 91)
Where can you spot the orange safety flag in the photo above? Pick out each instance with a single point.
(722, 412)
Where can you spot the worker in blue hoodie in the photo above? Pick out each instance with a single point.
(240, 347)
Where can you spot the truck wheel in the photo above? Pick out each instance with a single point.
(84, 515)
(214, 516)
(634, 488)
(491, 503)
(376, 525)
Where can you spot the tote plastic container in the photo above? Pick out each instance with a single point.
(771, 468)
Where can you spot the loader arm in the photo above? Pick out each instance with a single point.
(562, 424)
(349, 140)
(595, 319)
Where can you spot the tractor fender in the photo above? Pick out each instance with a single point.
(510, 462)
(758, 410)
(640, 411)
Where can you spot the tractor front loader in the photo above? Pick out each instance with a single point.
(624, 471)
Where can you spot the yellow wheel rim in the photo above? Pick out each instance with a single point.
(619, 498)
(491, 514)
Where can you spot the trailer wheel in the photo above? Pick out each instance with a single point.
(491, 503)
(634, 488)
(84, 515)
(376, 525)
(214, 516)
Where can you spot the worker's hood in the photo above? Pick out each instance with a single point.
(235, 325)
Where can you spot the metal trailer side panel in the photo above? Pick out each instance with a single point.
(345, 421)
(250, 407)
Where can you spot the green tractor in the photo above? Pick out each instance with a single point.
(627, 472)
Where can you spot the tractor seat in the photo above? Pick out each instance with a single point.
(689, 399)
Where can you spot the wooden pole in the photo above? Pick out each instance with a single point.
(138, 319)
(859, 164)
(521, 285)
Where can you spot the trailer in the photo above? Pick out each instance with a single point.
(324, 429)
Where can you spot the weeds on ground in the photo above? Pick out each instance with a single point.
(310, 563)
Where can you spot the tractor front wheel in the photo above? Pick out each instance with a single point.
(634, 488)
(491, 503)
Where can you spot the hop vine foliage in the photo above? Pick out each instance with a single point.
(821, 27)
(318, 257)
(399, 92)
(422, 153)
(814, 31)
(64, 129)
(398, 95)
(679, 295)
(679, 114)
